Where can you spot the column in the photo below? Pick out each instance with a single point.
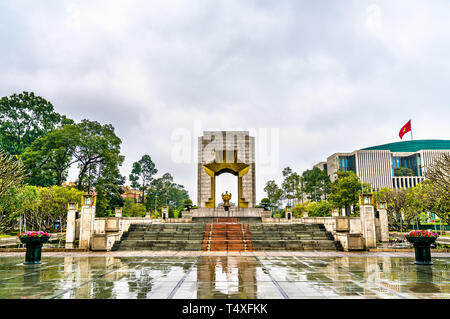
(86, 226)
(384, 225)
(367, 216)
(70, 229)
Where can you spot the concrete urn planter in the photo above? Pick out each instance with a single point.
(422, 248)
(33, 244)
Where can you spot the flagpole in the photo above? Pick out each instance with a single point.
(411, 130)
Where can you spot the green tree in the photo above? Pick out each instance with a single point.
(98, 152)
(39, 207)
(25, 117)
(26, 206)
(299, 209)
(53, 203)
(385, 195)
(93, 147)
(142, 174)
(163, 191)
(399, 212)
(11, 177)
(12, 173)
(108, 186)
(132, 209)
(8, 210)
(49, 157)
(319, 209)
(345, 191)
(415, 202)
(438, 187)
(290, 184)
(316, 184)
(274, 193)
(177, 196)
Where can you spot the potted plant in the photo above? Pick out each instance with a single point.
(422, 239)
(187, 204)
(265, 203)
(33, 242)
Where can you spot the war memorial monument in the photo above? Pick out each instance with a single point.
(224, 251)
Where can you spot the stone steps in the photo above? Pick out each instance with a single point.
(295, 237)
(162, 237)
(226, 234)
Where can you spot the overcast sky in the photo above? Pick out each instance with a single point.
(323, 76)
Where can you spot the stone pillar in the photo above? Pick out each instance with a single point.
(384, 225)
(86, 226)
(367, 216)
(70, 228)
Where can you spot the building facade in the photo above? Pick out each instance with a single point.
(379, 165)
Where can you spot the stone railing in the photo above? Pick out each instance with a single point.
(355, 233)
(110, 229)
(14, 240)
(347, 230)
(270, 220)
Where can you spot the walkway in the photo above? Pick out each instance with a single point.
(254, 275)
(148, 253)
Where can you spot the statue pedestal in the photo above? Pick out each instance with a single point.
(232, 212)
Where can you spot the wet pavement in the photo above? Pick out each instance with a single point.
(295, 276)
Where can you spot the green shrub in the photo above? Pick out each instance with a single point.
(132, 209)
(319, 209)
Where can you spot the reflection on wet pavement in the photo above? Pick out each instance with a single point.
(220, 277)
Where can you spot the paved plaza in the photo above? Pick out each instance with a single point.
(206, 275)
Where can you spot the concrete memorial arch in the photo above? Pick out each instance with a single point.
(226, 152)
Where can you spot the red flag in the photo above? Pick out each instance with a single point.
(405, 129)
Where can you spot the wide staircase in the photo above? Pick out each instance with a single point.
(227, 234)
(295, 237)
(162, 237)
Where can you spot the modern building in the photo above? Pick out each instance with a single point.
(377, 164)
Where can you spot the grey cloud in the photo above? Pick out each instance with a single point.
(317, 70)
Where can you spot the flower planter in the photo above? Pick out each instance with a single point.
(33, 244)
(422, 249)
